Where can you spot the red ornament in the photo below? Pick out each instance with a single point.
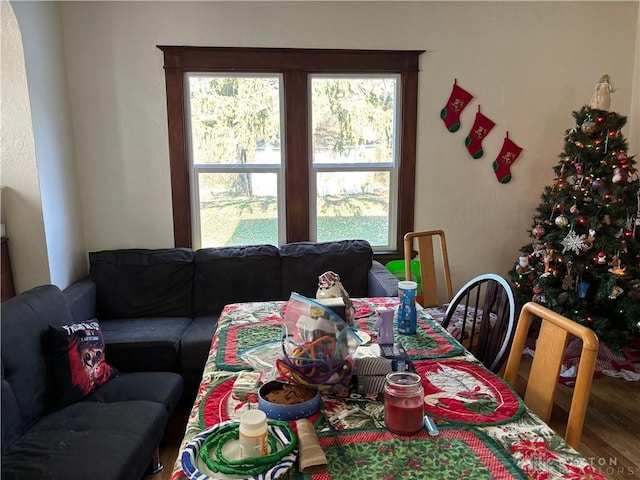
(619, 176)
(538, 231)
(601, 258)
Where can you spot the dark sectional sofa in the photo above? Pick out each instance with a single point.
(158, 310)
(111, 434)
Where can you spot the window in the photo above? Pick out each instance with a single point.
(283, 145)
(235, 159)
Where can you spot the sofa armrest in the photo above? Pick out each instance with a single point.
(81, 299)
(382, 283)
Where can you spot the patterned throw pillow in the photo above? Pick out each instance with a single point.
(79, 361)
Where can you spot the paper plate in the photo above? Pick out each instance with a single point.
(364, 337)
(196, 469)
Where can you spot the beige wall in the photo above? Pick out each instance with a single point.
(529, 64)
(21, 201)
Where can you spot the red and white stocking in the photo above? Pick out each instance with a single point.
(458, 100)
(509, 154)
(481, 128)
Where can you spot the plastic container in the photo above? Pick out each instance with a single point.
(407, 313)
(396, 267)
(253, 434)
(403, 403)
(285, 413)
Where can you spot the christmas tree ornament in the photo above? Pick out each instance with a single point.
(616, 265)
(562, 298)
(538, 231)
(523, 264)
(601, 98)
(548, 257)
(573, 242)
(596, 184)
(619, 176)
(601, 259)
(588, 242)
(567, 282)
(458, 100)
(574, 209)
(615, 292)
(507, 156)
(538, 250)
(622, 158)
(480, 129)
(588, 127)
(579, 168)
(582, 289)
(561, 221)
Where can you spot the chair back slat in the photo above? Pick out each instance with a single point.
(431, 295)
(543, 376)
(547, 361)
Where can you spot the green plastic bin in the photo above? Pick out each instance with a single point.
(396, 267)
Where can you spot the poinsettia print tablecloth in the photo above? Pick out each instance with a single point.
(478, 414)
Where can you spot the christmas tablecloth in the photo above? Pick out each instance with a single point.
(474, 408)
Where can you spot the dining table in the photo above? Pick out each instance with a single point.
(485, 430)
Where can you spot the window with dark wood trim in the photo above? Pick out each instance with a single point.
(295, 66)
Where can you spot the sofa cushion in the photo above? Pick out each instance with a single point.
(144, 344)
(11, 421)
(160, 387)
(235, 274)
(304, 262)
(78, 359)
(196, 343)
(109, 441)
(143, 283)
(27, 384)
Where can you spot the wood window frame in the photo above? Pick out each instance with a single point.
(294, 65)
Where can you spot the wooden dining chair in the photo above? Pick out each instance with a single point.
(545, 368)
(432, 296)
(482, 316)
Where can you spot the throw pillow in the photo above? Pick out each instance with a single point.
(78, 360)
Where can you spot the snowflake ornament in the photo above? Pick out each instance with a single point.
(573, 242)
(538, 250)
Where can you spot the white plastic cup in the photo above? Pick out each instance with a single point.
(253, 434)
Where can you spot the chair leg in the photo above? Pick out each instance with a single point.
(156, 464)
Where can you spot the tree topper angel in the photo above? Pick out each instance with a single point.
(601, 98)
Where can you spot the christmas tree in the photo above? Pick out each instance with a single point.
(584, 260)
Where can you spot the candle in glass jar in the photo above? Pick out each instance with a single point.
(403, 403)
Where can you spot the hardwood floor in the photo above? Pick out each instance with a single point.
(170, 444)
(611, 433)
(610, 440)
